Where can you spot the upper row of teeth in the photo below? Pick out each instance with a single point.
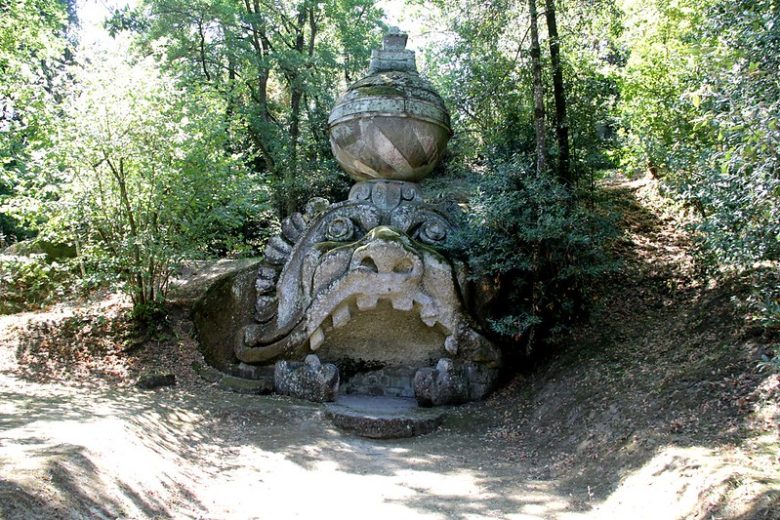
(342, 314)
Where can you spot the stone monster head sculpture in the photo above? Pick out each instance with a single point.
(364, 283)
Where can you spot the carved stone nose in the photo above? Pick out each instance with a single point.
(386, 253)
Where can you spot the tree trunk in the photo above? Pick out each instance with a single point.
(536, 65)
(259, 93)
(559, 94)
(296, 88)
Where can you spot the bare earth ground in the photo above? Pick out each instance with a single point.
(657, 409)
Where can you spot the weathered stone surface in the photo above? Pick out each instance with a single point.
(366, 283)
(309, 380)
(382, 417)
(242, 379)
(482, 380)
(277, 251)
(450, 383)
(363, 268)
(314, 207)
(293, 226)
(245, 371)
(391, 124)
(389, 382)
(206, 372)
(444, 384)
(221, 314)
(154, 379)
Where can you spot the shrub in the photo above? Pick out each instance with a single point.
(149, 177)
(538, 245)
(30, 282)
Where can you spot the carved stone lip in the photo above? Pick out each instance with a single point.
(392, 108)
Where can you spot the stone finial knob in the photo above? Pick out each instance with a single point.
(395, 39)
(393, 55)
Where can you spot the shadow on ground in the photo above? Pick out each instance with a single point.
(654, 410)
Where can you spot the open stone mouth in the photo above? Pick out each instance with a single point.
(420, 306)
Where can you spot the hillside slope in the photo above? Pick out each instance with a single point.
(662, 394)
(655, 409)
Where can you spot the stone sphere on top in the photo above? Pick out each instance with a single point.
(390, 124)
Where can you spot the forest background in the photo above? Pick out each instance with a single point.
(205, 123)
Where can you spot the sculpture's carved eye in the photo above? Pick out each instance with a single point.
(432, 232)
(340, 229)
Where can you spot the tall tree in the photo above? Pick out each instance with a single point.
(536, 65)
(278, 64)
(148, 179)
(559, 94)
(33, 46)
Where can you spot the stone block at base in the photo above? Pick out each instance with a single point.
(309, 380)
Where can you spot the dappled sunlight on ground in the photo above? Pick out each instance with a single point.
(654, 410)
(127, 453)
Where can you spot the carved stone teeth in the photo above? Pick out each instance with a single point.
(402, 303)
(451, 344)
(366, 301)
(316, 339)
(341, 316)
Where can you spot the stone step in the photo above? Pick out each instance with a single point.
(380, 417)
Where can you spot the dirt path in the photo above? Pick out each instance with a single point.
(655, 410)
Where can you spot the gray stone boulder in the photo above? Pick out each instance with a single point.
(444, 384)
(450, 383)
(153, 379)
(309, 380)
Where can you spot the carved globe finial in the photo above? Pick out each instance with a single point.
(391, 124)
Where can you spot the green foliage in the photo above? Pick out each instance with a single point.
(483, 71)
(527, 235)
(33, 45)
(701, 105)
(277, 66)
(31, 282)
(148, 176)
(764, 302)
(538, 244)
